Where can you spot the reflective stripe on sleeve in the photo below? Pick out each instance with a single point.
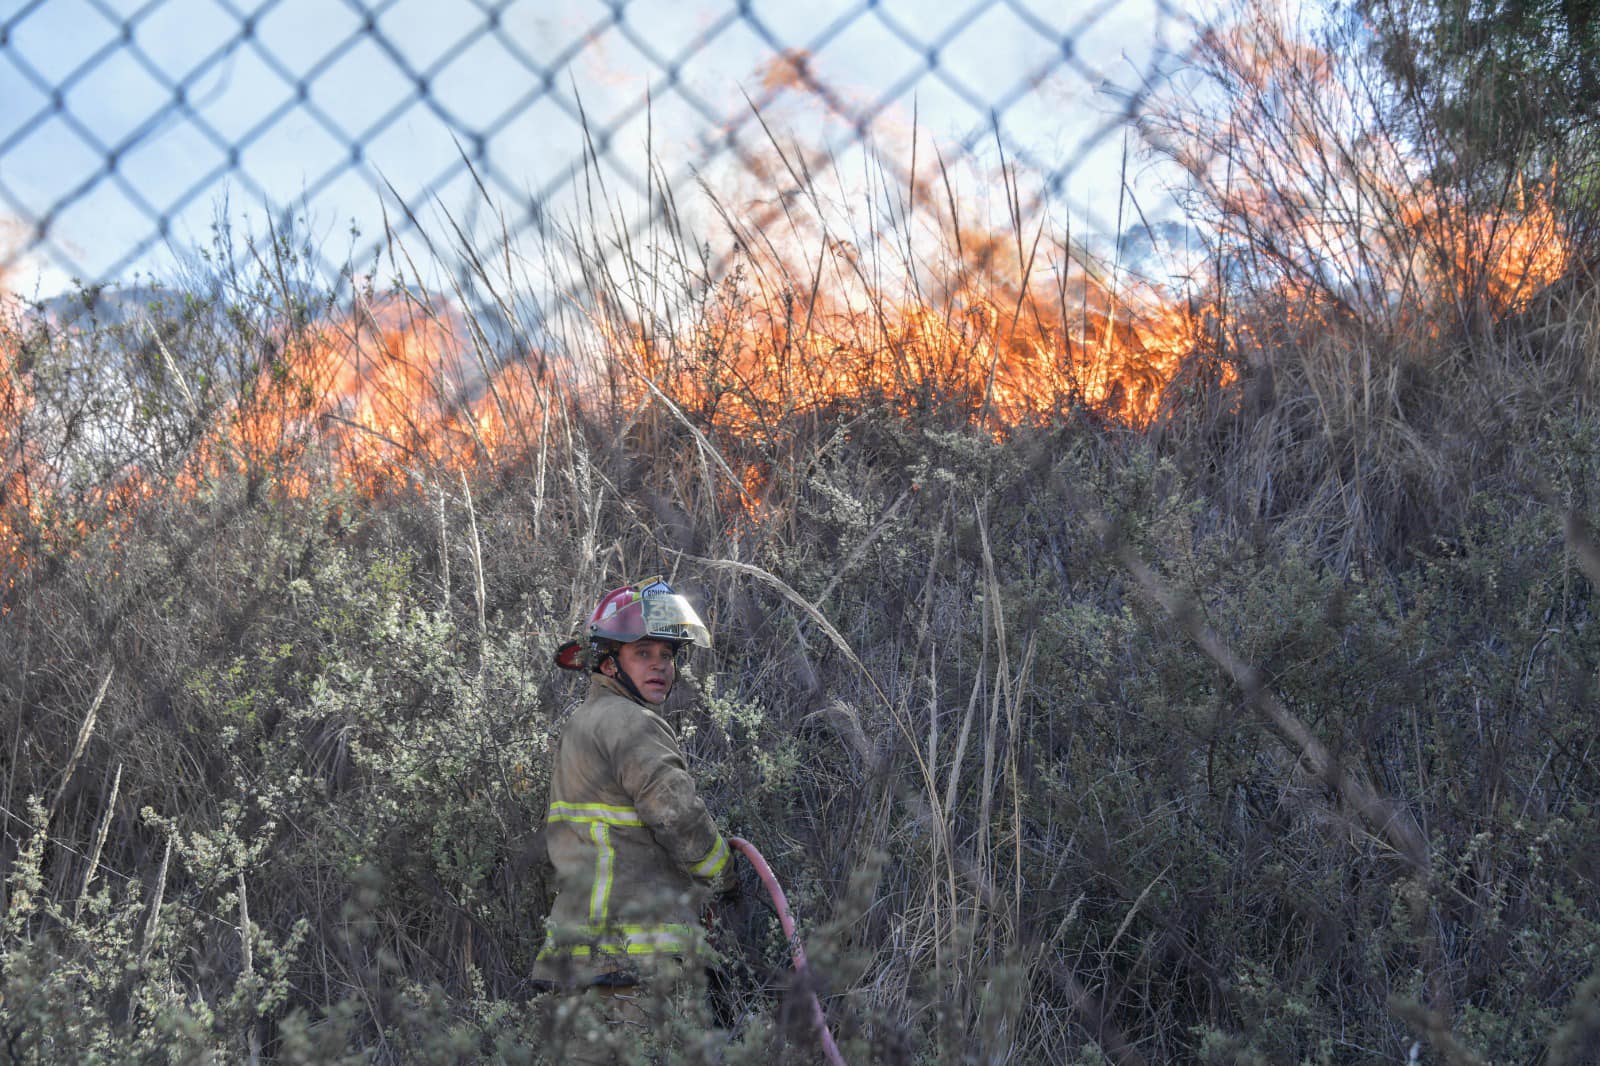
(715, 860)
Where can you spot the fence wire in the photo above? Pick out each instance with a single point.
(124, 126)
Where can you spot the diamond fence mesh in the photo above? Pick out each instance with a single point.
(126, 128)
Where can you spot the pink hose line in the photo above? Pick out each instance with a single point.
(775, 890)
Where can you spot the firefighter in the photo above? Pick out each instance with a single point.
(635, 852)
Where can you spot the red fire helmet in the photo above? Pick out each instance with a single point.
(648, 608)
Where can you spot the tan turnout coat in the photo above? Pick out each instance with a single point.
(634, 848)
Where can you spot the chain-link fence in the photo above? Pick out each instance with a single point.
(127, 127)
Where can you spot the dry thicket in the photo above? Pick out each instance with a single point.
(1196, 677)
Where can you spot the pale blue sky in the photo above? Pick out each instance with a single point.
(200, 99)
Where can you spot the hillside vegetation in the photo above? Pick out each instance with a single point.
(1213, 681)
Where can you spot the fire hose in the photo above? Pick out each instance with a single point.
(786, 919)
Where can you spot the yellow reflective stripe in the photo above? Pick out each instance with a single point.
(617, 940)
(583, 951)
(600, 894)
(715, 860)
(588, 933)
(594, 812)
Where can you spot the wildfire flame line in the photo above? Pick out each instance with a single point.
(975, 319)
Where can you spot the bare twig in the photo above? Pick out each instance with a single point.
(85, 731)
(100, 837)
(249, 970)
(480, 594)
(153, 919)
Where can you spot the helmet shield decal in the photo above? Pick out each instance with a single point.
(647, 609)
(668, 616)
(654, 587)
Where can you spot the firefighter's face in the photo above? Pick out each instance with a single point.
(652, 664)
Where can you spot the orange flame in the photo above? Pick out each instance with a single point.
(789, 69)
(395, 393)
(18, 506)
(941, 314)
(769, 343)
(1505, 256)
(390, 394)
(1298, 158)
